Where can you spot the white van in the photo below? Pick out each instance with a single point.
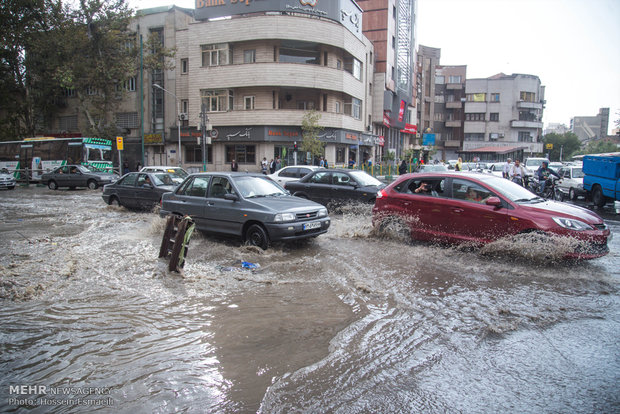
(177, 174)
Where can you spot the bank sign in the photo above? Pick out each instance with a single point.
(347, 12)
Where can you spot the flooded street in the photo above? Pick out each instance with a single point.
(349, 322)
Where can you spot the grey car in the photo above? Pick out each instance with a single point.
(138, 190)
(73, 176)
(250, 206)
(6, 179)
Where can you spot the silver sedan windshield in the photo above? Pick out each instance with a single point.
(258, 187)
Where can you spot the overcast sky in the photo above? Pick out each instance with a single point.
(573, 46)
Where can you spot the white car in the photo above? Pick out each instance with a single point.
(532, 164)
(495, 168)
(291, 173)
(7, 180)
(570, 184)
(177, 174)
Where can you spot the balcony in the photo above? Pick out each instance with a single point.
(454, 105)
(454, 124)
(289, 117)
(529, 105)
(452, 144)
(454, 86)
(525, 124)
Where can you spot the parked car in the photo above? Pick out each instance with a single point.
(138, 190)
(432, 167)
(500, 208)
(292, 173)
(250, 206)
(7, 180)
(531, 164)
(570, 184)
(337, 186)
(495, 168)
(178, 174)
(73, 176)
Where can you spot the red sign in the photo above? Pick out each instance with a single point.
(409, 129)
(381, 141)
(386, 119)
(401, 112)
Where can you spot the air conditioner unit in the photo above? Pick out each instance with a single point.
(183, 116)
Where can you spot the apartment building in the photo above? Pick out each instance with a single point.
(390, 26)
(252, 71)
(441, 103)
(589, 128)
(503, 117)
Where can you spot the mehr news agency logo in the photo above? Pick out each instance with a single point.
(38, 395)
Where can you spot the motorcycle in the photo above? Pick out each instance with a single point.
(550, 193)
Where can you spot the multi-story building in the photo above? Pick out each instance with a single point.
(390, 25)
(441, 103)
(503, 117)
(254, 69)
(556, 128)
(589, 128)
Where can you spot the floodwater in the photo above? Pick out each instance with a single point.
(349, 322)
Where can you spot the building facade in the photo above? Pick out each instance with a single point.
(390, 26)
(503, 112)
(590, 128)
(441, 103)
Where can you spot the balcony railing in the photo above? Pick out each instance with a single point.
(454, 105)
(529, 105)
(454, 124)
(525, 124)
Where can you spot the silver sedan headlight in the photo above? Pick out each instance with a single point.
(282, 217)
(572, 224)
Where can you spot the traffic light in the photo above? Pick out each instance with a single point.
(295, 146)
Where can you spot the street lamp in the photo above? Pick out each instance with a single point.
(178, 118)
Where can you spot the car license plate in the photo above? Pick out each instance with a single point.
(313, 225)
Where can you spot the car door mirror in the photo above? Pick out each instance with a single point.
(493, 201)
(353, 184)
(231, 197)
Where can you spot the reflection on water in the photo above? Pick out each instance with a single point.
(352, 321)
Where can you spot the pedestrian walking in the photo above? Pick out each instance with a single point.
(234, 166)
(402, 169)
(507, 168)
(263, 165)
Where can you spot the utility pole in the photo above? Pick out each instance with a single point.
(205, 127)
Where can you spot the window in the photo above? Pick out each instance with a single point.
(353, 108)
(69, 93)
(127, 120)
(527, 96)
(495, 97)
(340, 152)
(220, 186)
(476, 97)
(184, 66)
(440, 80)
(218, 100)
(243, 154)
(454, 79)
(91, 90)
(321, 178)
(249, 56)
(248, 103)
(474, 136)
(216, 54)
(339, 178)
(393, 42)
(338, 110)
(130, 84)
(305, 105)
(193, 153)
(525, 136)
(185, 106)
(475, 116)
(299, 52)
(494, 116)
(469, 191)
(354, 67)
(196, 187)
(68, 123)
(338, 64)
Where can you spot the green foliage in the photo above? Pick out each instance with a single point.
(601, 146)
(568, 144)
(310, 130)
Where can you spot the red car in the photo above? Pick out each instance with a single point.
(482, 208)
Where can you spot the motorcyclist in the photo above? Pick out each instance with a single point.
(517, 173)
(542, 174)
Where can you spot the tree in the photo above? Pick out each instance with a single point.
(565, 144)
(310, 130)
(26, 26)
(600, 146)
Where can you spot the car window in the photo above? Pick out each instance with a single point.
(289, 172)
(251, 186)
(129, 180)
(220, 186)
(162, 178)
(436, 186)
(321, 178)
(577, 173)
(365, 179)
(339, 178)
(196, 187)
(303, 172)
(143, 180)
(469, 191)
